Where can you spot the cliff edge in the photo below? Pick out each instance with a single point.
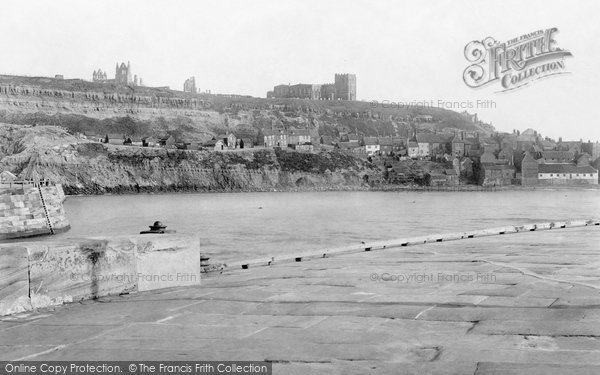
(87, 167)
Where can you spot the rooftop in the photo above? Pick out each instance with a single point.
(558, 155)
(433, 138)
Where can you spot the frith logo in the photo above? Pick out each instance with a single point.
(515, 63)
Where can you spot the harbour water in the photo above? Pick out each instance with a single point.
(238, 226)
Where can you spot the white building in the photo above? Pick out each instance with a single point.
(423, 149)
(372, 146)
(567, 174)
(413, 150)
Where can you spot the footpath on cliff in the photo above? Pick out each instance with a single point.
(521, 303)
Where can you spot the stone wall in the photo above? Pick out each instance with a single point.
(26, 211)
(36, 274)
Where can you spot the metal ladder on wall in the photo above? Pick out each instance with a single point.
(45, 210)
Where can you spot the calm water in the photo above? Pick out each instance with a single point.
(250, 225)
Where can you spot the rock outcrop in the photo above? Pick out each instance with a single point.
(87, 167)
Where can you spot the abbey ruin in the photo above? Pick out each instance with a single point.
(343, 88)
(123, 76)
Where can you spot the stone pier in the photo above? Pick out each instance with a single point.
(524, 303)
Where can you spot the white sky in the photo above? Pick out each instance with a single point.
(400, 51)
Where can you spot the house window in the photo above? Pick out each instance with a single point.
(551, 175)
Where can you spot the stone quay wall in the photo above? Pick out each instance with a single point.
(36, 275)
(28, 210)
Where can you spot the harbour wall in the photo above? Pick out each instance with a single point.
(29, 210)
(35, 275)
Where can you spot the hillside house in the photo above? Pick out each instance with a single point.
(215, 145)
(299, 137)
(458, 146)
(167, 142)
(135, 141)
(497, 175)
(92, 136)
(386, 146)
(149, 141)
(472, 147)
(114, 139)
(413, 150)
(506, 154)
(275, 138)
(529, 170)
(371, 146)
(229, 140)
(399, 142)
(432, 144)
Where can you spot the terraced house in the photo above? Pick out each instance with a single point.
(432, 144)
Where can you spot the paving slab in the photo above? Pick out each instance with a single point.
(495, 368)
(538, 328)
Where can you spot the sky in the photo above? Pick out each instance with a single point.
(400, 51)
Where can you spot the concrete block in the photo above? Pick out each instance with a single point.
(165, 261)
(80, 270)
(14, 279)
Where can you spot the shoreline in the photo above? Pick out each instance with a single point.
(382, 188)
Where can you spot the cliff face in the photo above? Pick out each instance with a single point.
(105, 108)
(85, 167)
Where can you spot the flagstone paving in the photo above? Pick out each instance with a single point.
(527, 303)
